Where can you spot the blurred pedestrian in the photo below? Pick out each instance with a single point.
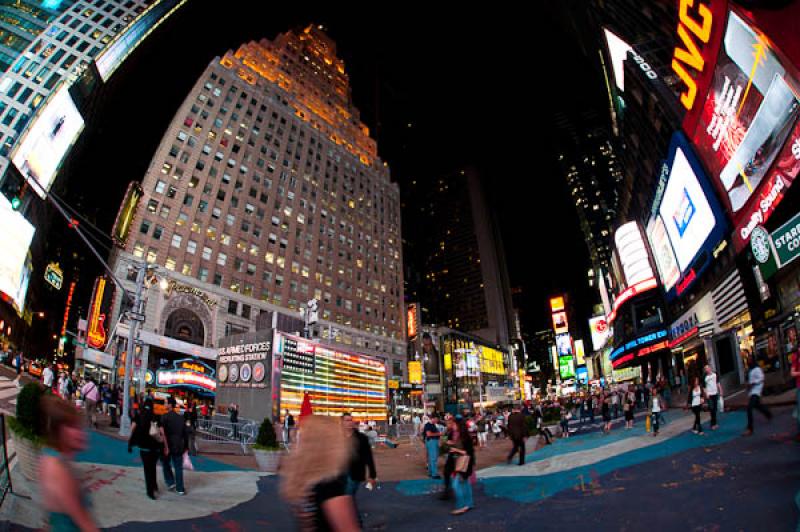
(105, 394)
(464, 459)
(518, 431)
(605, 411)
(483, 430)
(48, 376)
(431, 434)
(313, 477)
(148, 435)
(655, 412)
(113, 408)
(288, 425)
(627, 410)
(233, 412)
(713, 393)
(90, 394)
(362, 465)
(62, 495)
(755, 387)
(696, 396)
(565, 415)
(176, 442)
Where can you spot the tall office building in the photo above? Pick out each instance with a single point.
(266, 192)
(463, 282)
(21, 22)
(593, 173)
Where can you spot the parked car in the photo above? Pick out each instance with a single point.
(34, 369)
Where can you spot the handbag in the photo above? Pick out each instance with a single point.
(155, 432)
(462, 463)
(721, 404)
(187, 462)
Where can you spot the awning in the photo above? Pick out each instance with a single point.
(171, 344)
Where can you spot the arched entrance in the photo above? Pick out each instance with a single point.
(183, 324)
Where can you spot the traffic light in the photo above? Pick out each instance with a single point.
(16, 202)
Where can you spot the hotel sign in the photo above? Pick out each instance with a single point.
(173, 286)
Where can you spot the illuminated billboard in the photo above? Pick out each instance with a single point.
(688, 219)
(492, 361)
(564, 344)
(133, 34)
(40, 153)
(580, 353)
(15, 239)
(337, 382)
(598, 326)
(747, 129)
(632, 253)
(566, 367)
(126, 213)
(618, 51)
(412, 320)
(99, 310)
(556, 303)
(560, 324)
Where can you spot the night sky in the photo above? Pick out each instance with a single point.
(438, 89)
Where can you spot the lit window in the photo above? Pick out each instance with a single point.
(222, 259)
(176, 241)
(206, 253)
(170, 264)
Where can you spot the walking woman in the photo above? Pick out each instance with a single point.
(148, 435)
(314, 477)
(696, 398)
(464, 463)
(627, 409)
(605, 410)
(63, 498)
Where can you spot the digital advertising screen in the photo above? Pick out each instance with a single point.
(337, 382)
(600, 331)
(38, 157)
(747, 120)
(632, 254)
(15, 240)
(566, 367)
(564, 344)
(560, 324)
(688, 220)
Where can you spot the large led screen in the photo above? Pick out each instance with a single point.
(15, 239)
(39, 155)
(749, 113)
(687, 220)
(336, 381)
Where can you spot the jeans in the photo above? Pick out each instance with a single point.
(149, 461)
(432, 446)
(168, 462)
(661, 419)
(654, 421)
(463, 490)
(713, 404)
(755, 403)
(697, 426)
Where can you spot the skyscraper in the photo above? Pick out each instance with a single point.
(266, 192)
(463, 281)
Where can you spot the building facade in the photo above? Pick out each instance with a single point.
(267, 192)
(463, 280)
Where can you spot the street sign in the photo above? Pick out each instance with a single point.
(136, 316)
(786, 239)
(54, 275)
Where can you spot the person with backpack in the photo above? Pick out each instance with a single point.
(148, 435)
(90, 394)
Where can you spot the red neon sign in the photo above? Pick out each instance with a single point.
(686, 281)
(685, 336)
(638, 288)
(621, 360)
(652, 348)
(96, 334)
(66, 310)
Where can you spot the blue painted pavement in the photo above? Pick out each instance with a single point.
(104, 449)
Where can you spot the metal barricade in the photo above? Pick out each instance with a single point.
(218, 430)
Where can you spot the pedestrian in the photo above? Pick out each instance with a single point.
(233, 412)
(796, 375)
(464, 458)
(190, 418)
(606, 413)
(590, 408)
(63, 498)
(105, 391)
(655, 412)
(615, 404)
(113, 407)
(483, 430)
(392, 423)
(148, 435)
(627, 410)
(450, 433)
(713, 392)
(288, 425)
(518, 431)
(416, 421)
(48, 377)
(176, 442)
(497, 428)
(204, 411)
(755, 387)
(696, 395)
(431, 435)
(90, 395)
(565, 417)
(312, 478)
(18, 363)
(362, 464)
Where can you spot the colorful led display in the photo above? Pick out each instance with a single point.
(339, 382)
(15, 239)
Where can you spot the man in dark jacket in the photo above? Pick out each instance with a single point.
(361, 461)
(176, 443)
(518, 431)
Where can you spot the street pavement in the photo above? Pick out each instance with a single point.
(628, 480)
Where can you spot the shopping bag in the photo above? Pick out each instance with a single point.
(721, 404)
(187, 462)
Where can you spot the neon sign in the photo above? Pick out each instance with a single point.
(411, 319)
(693, 35)
(639, 342)
(638, 288)
(187, 373)
(96, 333)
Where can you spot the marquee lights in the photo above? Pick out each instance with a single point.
(638, 288)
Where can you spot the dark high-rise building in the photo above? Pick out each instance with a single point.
(591, 168)
(458, 252)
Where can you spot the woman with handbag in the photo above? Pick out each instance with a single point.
(464, 452)
(148, 435)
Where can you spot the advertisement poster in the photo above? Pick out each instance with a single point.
(566, 367)
(750, 112)
(598, 326)
(15, 239)
(564, 344)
